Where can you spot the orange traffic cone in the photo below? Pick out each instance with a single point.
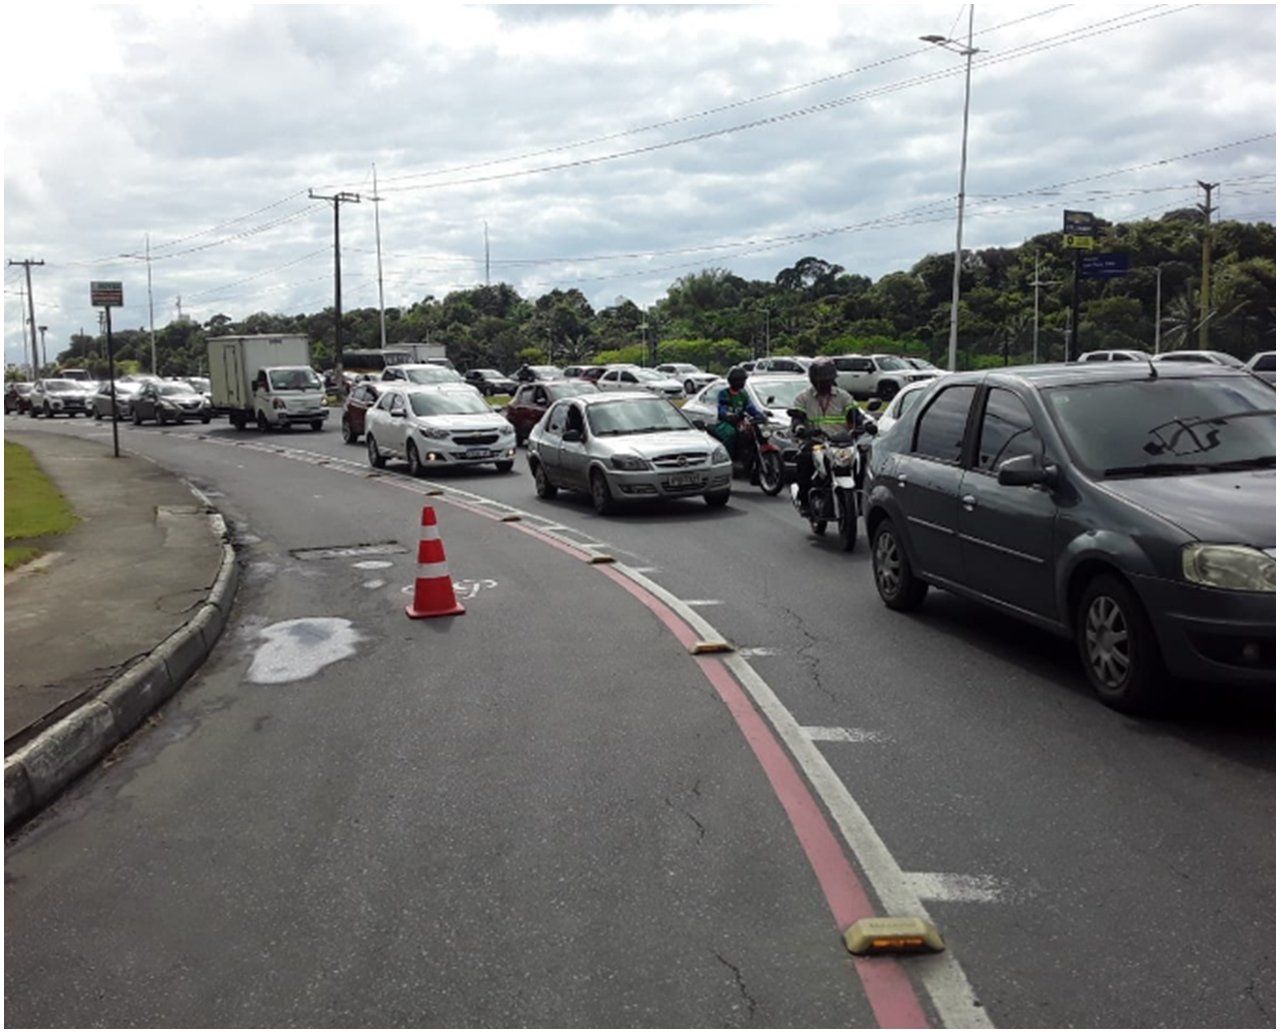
(433, 590)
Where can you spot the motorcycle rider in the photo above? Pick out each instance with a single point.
(733, 404)
(826, 407)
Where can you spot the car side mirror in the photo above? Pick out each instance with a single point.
(572, 435)
(1024, 471)
(700, 423)
(397, 410)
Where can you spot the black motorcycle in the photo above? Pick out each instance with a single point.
(836, 490)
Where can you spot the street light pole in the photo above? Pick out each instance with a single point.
(1035, 332)
(966, 51)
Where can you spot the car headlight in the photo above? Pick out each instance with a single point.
(507, 430)
(435, 433)
(1235, 567)
(720, 454)
(629, 463)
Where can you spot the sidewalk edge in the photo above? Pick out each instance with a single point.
(35, 774)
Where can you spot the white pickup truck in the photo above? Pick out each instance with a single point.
(876, 376)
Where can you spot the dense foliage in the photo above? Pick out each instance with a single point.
(715, 318)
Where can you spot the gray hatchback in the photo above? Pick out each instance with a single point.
(1129, 506)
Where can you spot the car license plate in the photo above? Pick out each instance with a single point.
(478, 453)
(683, 480)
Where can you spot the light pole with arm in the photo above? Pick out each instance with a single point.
(966, 51)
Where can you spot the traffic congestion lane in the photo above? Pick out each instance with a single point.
(941, 713)
(449, 826)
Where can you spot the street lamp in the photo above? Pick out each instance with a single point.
(966, 51)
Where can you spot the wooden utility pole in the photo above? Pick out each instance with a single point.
(31, 316)
(336, 200)
(1206, 259)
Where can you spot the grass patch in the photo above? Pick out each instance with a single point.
(33, 506)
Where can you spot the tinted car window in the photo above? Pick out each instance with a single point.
(1007, 431)
(1266, 364)
(940, 432)
(1131, 427)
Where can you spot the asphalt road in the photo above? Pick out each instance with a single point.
(1086, 869)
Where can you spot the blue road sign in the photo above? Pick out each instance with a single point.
(1104, 266)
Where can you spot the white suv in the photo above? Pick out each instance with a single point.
(877, 376)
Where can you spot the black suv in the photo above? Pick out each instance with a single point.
(1130, 506)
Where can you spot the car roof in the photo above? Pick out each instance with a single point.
(1070, 373)
(604, 397)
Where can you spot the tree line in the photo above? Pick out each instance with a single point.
(715, 318)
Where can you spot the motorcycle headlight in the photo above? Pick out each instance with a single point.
(842, 456)
(720, 454)
(1238, 568)
(624, 462)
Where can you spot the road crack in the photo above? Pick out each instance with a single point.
(742, 986)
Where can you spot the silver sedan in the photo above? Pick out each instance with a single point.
(626, 447)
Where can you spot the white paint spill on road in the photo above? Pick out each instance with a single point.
(977, 889)
(818, 734)
(373, 564)
(297, 649)
(373, 584)
(757, 651)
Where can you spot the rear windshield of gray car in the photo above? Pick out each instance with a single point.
(1139, 428)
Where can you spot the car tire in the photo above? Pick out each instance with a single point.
(263, 423)
(137, 418)
(315, 424)
(376, 459)
(97, 415)
(416, 469)
(206, 419)
(542, 483)
(505, 465)
(601, 497)
(1117, 647)
(716, 499)
(772, 475)
(349, 437)
(897, 584)
(48, 412)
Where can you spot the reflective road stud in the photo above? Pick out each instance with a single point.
(892, 936)
(433, 590)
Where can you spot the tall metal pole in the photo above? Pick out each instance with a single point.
(111, 370)
(44, 352)
(377, 233)
(1073, 341)
(1035, 332)
(1158, 272)
(967, 51)
(151, 310)
(1205, 258)
(31, 315)
(336, 200)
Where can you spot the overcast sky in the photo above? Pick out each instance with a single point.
(611, 149)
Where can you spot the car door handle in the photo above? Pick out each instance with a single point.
(969, 502)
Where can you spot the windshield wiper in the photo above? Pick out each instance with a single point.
(1162, 469)
(1256, 463)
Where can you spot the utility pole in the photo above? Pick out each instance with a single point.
(377, 236)
(151, 308)
(1206, 258)
(31, 314)
(337, 200)
(1037, 283)
(1159, 272)
(44, 354)
(486, 253)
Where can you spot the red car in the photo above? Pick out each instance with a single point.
(362, 396)
(532, 400)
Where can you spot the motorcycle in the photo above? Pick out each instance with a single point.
(836, 491)
(764, 460)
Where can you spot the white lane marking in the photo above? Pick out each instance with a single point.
(378, 583)
(468, 588)
(820, 734)
(757, 651)
(940, 974)
(704, 602)
(949, 886)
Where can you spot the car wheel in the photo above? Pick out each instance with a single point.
(137, 418)
(315, 424)
(1117, 646)
(898, 586)
(542, 483)
(48, 412)
(690, 388)
(887, 389)
(716, 499)
(263, 423)
(416, 469)
(601, 497)
(97, 415)
(376, 459)
(505, 465)
(205, 419)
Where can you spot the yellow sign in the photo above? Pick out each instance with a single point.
(1079, 243)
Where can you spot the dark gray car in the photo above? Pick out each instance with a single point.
(1129, 506)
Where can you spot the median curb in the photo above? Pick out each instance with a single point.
(35, 774)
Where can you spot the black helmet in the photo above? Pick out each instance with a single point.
(737, 378)
(822, 372)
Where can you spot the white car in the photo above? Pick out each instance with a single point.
(1199, 355)
(637, 378)
(902, 405)
(1115, 355)
(445, 425)
(422, 373)
(877, 376)
(1263, 365)
(692, 378)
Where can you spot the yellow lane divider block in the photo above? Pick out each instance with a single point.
(892, 936)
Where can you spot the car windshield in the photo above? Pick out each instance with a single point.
(1138, 428)
(176, 389)
(432, 375)
(294, 380)
(775, 393)
(57, 387)
(635, 416)
(447, 403)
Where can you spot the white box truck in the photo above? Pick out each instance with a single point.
(266, 379)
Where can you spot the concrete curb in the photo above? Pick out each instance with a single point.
(41, 769)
